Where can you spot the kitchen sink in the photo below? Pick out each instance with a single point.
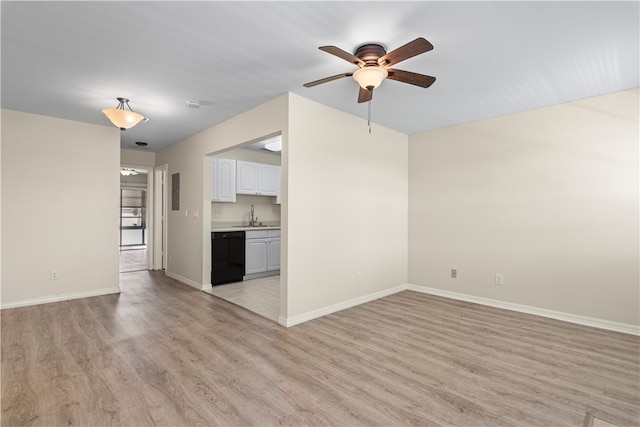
(256, 226)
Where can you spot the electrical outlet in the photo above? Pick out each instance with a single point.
(454, 273)
(53, 275)
(358, 277)
(499, 279)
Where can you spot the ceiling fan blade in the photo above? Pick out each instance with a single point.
(411, 78)
(365, 95)
(342, 54)
(327, 79)
(407, 51)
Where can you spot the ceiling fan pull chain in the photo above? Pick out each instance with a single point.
(369, 117)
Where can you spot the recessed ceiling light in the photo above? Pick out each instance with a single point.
(141, 144)
(193, 104)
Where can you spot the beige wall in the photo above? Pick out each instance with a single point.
(347, 209)
(137, 158)
(549, 198)
(51, 220)
(239, 213)
(251, 156)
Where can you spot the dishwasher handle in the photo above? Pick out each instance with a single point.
(228, 235)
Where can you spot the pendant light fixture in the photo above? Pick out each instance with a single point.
(122, 118)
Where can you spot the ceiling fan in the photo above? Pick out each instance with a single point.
(128, 171)
(373, 63)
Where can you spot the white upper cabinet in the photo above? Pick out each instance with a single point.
(224, 180)
(247, 177)
(278, 201)
(268, 180)
(256, 178)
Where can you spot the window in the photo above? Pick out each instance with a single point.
(133, 214)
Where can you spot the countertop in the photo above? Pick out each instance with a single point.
(224, 227)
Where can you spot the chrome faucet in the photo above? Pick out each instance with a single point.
(252, 221)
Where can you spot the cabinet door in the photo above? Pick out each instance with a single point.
(267, 180)
(224, 180)
(255, 256)
(247, 177)
(274, 254)
(278, 201)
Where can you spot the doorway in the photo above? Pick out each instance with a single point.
(257, 292)
(133, 220)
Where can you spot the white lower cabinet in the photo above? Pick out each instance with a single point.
(273, 254)
(255, 255)
(262, 253)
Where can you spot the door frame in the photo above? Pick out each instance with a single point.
(158, 257)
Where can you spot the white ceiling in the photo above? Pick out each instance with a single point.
(71, 59)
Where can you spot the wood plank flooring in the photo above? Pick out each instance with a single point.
(162, 353)
(133, 260)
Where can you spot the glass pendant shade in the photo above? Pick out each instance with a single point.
(124, 119)
(368, 77)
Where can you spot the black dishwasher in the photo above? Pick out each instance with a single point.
(227, 257)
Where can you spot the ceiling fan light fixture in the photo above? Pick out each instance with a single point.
(124, 119)
(374, 61)
(370, 77)
(128, 171)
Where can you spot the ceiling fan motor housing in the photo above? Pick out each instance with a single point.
(370, 53)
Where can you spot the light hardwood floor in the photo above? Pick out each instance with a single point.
(133, 260)
(162, 353)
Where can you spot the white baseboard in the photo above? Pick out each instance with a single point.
(58, 298)
(186, 281)
(558, 315)
(314, 314)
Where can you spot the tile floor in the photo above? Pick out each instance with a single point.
(591, 421)
(262, 296)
